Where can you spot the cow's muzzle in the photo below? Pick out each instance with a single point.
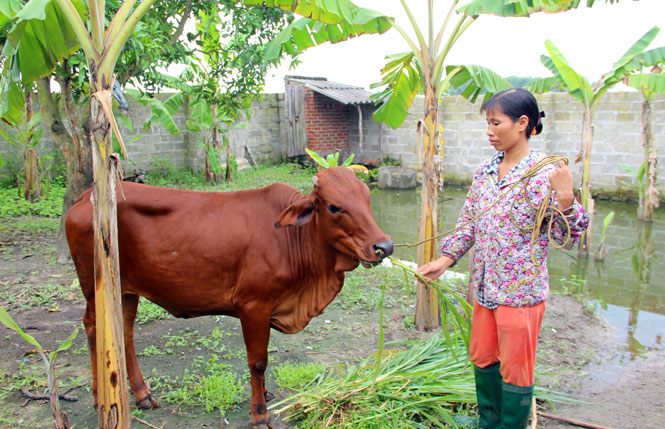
(382, 250)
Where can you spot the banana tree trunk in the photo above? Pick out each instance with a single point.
(585, 191)
(75, 148)
(649, 195)
(31, 179)
(227, 142)
(427, 305)
(31, 182)
(113, 399)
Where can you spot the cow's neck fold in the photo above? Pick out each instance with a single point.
(317, 272)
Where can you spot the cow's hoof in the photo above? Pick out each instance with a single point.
(269, 396)
(147, 403)
(263, 424)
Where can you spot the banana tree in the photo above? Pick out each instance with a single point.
(102, 48)
(420, 70)
(648, 84)
(47, 50)
(581, 90)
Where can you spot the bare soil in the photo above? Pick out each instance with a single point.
(577, 351)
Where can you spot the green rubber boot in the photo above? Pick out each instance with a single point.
(515, 406)
(488, 392)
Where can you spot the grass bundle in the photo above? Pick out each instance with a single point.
(420, 387)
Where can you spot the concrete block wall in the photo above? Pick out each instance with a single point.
(156, 146)
(264, 135)
(617, 136)
(369, 152)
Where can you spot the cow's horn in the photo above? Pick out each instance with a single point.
(315, 180)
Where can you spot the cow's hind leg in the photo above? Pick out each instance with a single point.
(89, 322)
(256, 332)
(144, 399)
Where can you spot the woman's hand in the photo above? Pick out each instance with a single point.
(561, 180)
(434, 269)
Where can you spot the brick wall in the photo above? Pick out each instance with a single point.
(326, 123)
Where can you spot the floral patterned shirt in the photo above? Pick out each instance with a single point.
(504, 272)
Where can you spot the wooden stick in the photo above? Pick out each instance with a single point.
(27, 393)
(534, 414)
(146, 423)
(572, 422)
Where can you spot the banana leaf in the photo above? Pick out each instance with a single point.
(403, 80)
(546, 84)
(650, 83)
(575, 83)
(625, 64)
(475, 80)
(522, 7)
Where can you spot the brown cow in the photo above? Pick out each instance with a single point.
(272, 257)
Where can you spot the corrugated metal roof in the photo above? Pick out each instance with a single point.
(346, 94)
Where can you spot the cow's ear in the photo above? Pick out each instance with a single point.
(298, 213)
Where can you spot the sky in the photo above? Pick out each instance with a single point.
(591, 39)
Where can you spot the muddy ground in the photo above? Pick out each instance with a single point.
(575, 350)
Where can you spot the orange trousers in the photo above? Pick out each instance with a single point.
(508, 335)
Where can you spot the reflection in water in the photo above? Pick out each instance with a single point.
(627, 284)
(644, 250)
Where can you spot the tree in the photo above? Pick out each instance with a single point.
(581, 90)
(27, 58)
(648, 84)
(53, 53)
(26, 137)
(225, 73)
(421, 70)
(102, 48)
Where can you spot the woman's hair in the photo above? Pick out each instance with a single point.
(516, 102)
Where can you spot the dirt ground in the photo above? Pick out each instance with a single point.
(577, 351)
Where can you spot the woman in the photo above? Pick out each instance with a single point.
(509, 269)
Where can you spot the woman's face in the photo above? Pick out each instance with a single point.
(504, 133)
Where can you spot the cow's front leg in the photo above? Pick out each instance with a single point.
(256, 332)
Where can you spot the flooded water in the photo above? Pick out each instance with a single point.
(627, 288)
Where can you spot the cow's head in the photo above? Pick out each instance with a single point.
(340, 205)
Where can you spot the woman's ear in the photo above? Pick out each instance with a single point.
(523, 122)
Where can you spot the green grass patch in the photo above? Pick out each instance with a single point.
(153, 350)
(149, 311)
(209, 384)
(32, 224)
(292, 174)
(295, 375)
(44, 295)
(362, 289)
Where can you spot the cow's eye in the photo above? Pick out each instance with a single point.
(334, 209)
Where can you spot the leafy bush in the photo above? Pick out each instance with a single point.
(13, 205)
